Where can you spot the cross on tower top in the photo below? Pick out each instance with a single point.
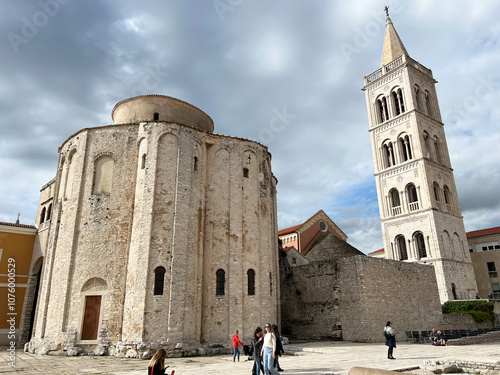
(18, 215)
(387, 10)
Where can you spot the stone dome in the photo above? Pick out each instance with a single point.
(161, 108)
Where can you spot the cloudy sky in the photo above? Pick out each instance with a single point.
(287, 73)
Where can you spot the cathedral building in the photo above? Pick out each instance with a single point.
(418, 201)
(155, 232)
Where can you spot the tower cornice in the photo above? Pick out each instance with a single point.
(379, 77)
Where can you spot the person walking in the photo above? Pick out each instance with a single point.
(156, 365)
(390, 339)
(269, 350)
(257, 342)
(279, 348)
(236, 342)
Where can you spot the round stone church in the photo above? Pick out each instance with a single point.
(156, 233)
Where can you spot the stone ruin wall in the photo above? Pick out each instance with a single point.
(353, 298)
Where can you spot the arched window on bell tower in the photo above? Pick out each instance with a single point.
(438, 150)
(428, 104)
(437, 194)
(405, 147)
(398, 102)
(448, 201)
(388, 155)
(412, 197)
(418, 240)
(427, 147)
(382, 109)
(395, 202)
(401, 244)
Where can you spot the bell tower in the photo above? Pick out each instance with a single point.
(418, 201)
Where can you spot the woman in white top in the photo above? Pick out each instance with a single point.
(390, 339)
(269, 351)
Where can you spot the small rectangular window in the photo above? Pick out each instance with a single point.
(497, 247)
(492, 270)
(490, 247)
(485, 248)
(495, 288)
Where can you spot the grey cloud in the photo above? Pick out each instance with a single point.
(262, 57)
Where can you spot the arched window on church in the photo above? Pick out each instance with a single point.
(251, 282)
(42, 215)
(195, 163)
(143, 161)
(159, 281)
(49, 212)
(397, 100)
(103, 175)
(245, 172)
(418, 240)
(382, 109)
(220, 282)
(401, 243)
(395, 202)
(405, 146)
(412, 197)
(70, 172)
(156, 116)
(427, 148)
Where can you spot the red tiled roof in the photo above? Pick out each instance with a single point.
(289, 230)
(377, 251)
(483, 232)
(295, 227)
(18, 225)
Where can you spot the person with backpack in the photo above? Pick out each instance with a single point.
(390, 339)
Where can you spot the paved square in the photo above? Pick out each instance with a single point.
(310, 359)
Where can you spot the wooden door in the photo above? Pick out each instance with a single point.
(91, 317)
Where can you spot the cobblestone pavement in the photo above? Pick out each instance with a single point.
(310, 359)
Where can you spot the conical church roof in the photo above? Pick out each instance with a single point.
(393, 46)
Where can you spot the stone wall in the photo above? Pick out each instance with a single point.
(359, 294)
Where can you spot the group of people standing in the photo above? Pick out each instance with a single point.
(267, 348)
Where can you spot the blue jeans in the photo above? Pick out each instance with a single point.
(236, 352)
(268, 362)
(256, 367)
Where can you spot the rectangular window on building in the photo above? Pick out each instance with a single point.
(485, 248)
(497, 247)
(492, 270)
(495, 288)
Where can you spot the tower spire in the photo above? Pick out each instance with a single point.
(393, 46)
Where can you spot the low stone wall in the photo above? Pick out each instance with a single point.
(479, 339)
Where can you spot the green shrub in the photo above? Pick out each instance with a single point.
(481, 311)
